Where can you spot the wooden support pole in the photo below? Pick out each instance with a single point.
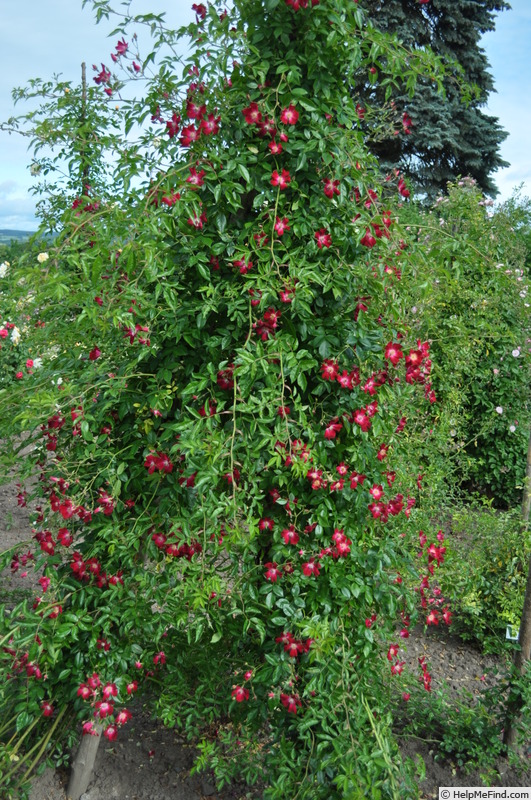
(523, 653)
(83, 764)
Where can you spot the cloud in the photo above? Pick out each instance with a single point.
(17, 207)
(8, 189)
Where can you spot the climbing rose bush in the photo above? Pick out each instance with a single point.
(221, 429)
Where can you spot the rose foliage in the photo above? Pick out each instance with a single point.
(221, 428)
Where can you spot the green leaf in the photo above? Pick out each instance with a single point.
(221, 222)
(244, 172)
(23, 720)
(85, 431)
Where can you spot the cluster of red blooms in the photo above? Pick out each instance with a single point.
(266, 327)
(267, 126)
(323, 238)
(168, 197)
(435, 557)
(293, 647)
(298, 449)
(330, 372)
(381, 510)
(106, 503)
(331, 187)
(200, 11)
(273, 572)
(50, 430)
(418, 368)
(197, 220)
(426, 677)
(396, 666)
(225, 378)
(340, 548)
(172, 547)
(187, 480)
(407, 122)
(79, 204)
(368, 239)
(55, 608)
(199, 122)
(290, 701)
(29, 363)
(56, 423)
(121, 49)
(134, 333)
(159, 462)
(195, 178)
(403, 191)
(21, 560)
(296, 5)
(46, 542)
(239, 693)
(23, 664)
(101, 698)
(282, 180)
(90, 570)
(380, 228)
(4, 332)
(318, 482)
(67, 509)
(103, 77)
(242, 265)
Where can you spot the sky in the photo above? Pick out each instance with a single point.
(40, 39)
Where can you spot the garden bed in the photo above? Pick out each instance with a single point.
(148, 760)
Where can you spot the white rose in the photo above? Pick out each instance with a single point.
(42, 257)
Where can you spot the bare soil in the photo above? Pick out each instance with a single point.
(150, 762)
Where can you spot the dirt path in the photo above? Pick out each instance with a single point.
(146, 762)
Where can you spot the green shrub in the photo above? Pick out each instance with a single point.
(485, 572)
(463, 728)
(475, 312)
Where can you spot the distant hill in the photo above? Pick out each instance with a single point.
(7, 236)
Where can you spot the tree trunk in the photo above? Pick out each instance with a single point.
(522, 655)
(83, 764)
